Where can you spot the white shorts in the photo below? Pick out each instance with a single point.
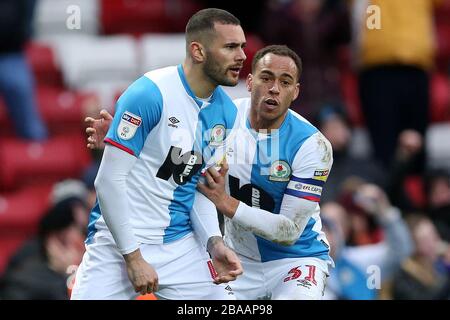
(284, 279)
(182, 266)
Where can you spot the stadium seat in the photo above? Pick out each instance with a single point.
(437, 146)
(413, 187)
(42, 61)
(440, 98)
(62, 108)
(20, 213)
(21, 210)
(87, 60)
(10, 244)
(162, 50)
(349, 88)
(63, 111)
(254, 43)
(52, 17)
(58, 158)
(143, 16)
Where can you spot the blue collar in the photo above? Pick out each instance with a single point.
(281, 129)
(189, 90)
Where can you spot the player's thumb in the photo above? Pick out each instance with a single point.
(224, 167)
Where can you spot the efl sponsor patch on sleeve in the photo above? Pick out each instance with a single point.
(128, 125)
(305, 188)
(321, 175)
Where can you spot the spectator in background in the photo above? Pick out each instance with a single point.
(426, 274)
(437, 191)
(78, 193)
(356, 262)
(16, 79)
(40, 269)
(409, 147)
(394, 62)
(314, 29)
(333, 123)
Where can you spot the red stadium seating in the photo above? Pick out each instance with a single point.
(254, 43)
(413, 187)
(42, 61)
(62, 110)
(440, 98)
(58, 158)
(144, 16)
(20, 213)
(9, 244)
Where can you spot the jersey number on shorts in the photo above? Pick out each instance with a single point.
(295, 273)
(181, 166)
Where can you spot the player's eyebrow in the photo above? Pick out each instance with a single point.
(270, 73)
(236, 44)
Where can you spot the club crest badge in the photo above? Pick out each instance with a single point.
(217, 135)
(280, 171)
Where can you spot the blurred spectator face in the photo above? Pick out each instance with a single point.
(426, 239)
(71, 237)
(439, 193)
(273, 86)
(64, 248)
(338, 219)
(308, 9)
(337, 132)
(81, 215)
(338, 216)
(225, 56)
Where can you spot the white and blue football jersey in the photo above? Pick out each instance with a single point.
(159, 120)
(263, 168)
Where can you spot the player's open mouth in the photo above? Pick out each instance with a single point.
(271, 103)
(235, 70)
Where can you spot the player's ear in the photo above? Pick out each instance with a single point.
(248, 82)
(197, 51)
(297, 91)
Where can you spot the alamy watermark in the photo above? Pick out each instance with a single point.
(373, 21)
(73, 21)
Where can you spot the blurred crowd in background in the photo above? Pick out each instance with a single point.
(381, 96)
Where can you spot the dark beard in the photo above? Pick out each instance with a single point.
(215, 74)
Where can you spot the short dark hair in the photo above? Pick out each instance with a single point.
(279, 50)
(202, 22)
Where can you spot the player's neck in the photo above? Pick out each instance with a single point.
(201, 87)
(258, 123)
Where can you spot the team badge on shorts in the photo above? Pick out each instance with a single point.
(217, 135)
(280, 171)
(128, 125)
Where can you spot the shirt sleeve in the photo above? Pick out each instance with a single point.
(111, 188)
(204, 219)
(311, 167)
(310, 170)
(138, 111)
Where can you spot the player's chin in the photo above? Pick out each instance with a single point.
(232, 78)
